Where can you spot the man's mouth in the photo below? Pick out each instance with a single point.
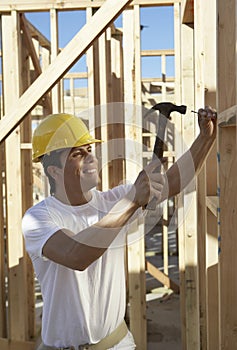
(89, 171)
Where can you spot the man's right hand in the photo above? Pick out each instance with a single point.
(149, 184)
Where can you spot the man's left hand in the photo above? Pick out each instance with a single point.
(207, 120)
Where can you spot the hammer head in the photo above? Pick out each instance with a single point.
(166, 108)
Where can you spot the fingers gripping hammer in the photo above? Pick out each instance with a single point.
(165, 109)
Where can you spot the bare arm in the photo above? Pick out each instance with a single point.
(81, 250)
(190, 163)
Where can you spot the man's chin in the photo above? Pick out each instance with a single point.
(88, 185)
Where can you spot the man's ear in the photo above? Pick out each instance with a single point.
(53, 171)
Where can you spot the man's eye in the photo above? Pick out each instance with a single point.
(76, 154)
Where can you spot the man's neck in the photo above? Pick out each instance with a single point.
(74, 199)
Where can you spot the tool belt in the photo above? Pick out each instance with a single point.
(106, 343)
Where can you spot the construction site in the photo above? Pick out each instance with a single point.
(181, 267)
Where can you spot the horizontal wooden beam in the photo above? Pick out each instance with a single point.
(149, 3)
(76, 75)
(150, 53)
(228, 117)
(84, 75)
(168, 154)
(61, 64)
(158, 80)
(46, 5)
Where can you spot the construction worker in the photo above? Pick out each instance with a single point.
(76, 236)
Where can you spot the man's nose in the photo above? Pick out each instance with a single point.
(89, 157)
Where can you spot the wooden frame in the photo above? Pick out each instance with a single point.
(206, 293)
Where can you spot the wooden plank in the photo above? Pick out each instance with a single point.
(227, 140)
(198, 331)
(145, 3)
(212, 203)
(29, 42)
(228, 117)
(6, 344)
(76, 75)
(157, 80)
(90, 70)
(97, 97)
(3, 315)
(177, 142)
(162, 277)
(63, 62)
(44, 5)
(166, 154)
(35, 33)
(150, 53)
(137, 100)
(103, 111)
(3, 319)
(211, 228)
(137, 310)
(212, 277)
(55, 93)
(187, 253)
(27, 193)
(133, 149)
(202, 255)
(116, 112)
(226, 65)
(109, 99)
(188, 12)
(17, 298)
(33, 54)
(228, 243)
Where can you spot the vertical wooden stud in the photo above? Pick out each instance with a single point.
(3, 318)
(27, 188)
(56, 105)
(17, 299)
(227, 156)
(186, 212)
(133, 147)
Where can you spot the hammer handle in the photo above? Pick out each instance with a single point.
(158, 152)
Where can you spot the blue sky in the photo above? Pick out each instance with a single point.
(158, 33)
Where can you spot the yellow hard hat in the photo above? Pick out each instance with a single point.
(58, 131)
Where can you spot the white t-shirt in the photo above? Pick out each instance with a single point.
(78, 306)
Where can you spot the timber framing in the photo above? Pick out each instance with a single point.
(34, 70)
(46, 5)
(37, 96)
(62, 63)
(188, 12)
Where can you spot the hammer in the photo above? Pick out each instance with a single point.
(165, 109)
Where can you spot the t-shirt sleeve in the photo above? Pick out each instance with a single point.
(37, 228)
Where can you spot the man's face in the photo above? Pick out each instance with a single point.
(80, 169)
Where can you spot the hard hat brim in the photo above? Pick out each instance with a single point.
(79, 143)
